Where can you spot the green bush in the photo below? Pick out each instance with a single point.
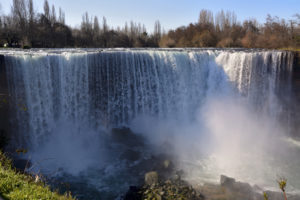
(18, 186)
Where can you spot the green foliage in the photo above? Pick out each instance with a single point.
(282, 183)
(266, 196)
(17, 186)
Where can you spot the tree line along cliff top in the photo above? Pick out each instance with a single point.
(24, 27)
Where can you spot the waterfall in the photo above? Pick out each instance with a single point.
(112, 87)
(215, 111)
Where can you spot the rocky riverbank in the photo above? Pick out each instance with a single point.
(156, 188)
(159, 189)
(163, 180)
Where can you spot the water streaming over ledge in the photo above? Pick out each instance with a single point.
(61, 94)
(112, 87)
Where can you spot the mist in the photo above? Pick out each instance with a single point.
(211, 112)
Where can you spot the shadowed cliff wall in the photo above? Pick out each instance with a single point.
(295, 103)
(4, 102)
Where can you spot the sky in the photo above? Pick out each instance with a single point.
(171, 13)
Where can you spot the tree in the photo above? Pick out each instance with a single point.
(25, 26)
(204, 39)
(20, 15)
(31, 23)
(166, 41)
(104, 25)
(157, 28)
(61, 18)
(96, 31)
(46, 9)
(53, 15)
(206, 19)
(31, 11)
(87, 29)
(157, 32)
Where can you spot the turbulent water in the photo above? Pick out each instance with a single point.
(221, 111)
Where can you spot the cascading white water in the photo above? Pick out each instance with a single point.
(197, 92)
(111, 88)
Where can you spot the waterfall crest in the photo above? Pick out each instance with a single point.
(112, 87)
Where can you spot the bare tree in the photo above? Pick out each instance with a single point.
(104, 25)
(19, 12)
(31, 11)
(61, 17)
(206, 17)
(46, 9)
(157, 32)
(26, 26)
(53, 15)
(86, 24)
(157, 28)
(31, 21)
(19, 15)
(126, 29)
(96, 26)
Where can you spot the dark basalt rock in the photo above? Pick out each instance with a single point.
(133, 193)
(126, 137)
(131, 155)
(4, 105)
(226, 181)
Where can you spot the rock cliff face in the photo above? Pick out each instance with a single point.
(295, 103)
(4, 108)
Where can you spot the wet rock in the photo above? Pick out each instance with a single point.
(243, 187)
(170, 190)
(151, 178)
(257, 188)
(179, 174)
(133, 193)
(176, 177)
(126, 137)
(167, 164)
(226, 181)
(131, 155)
(239, 189)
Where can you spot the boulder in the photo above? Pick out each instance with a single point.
(166, 164)
(239, 189)
(151, 178)
(126, 137)
(226, 181)
(131, 155)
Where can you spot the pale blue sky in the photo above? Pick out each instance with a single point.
(171, 13)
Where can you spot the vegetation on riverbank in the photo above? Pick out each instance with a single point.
(19, 186)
